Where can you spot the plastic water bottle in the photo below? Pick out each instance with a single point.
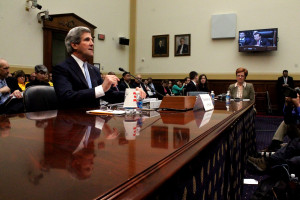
(139, 102)
(212, 94)
(228, 97)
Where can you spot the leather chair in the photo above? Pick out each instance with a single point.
(39, 98)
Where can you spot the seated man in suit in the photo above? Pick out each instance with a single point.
(125, 83)
(10, 97)
(138, 83)
(243, 40)
(76, 82)
(259, 41)
(192, 85)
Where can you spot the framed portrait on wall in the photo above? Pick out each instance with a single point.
(160, 46)
(182, 45)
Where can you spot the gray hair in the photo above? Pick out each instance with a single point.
(40, 68)
(74, 36)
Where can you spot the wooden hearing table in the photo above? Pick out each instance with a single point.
(68, 154)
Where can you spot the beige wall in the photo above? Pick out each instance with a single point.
(217, 58)
(21, 36)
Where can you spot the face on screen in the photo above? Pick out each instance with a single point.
(242, 35)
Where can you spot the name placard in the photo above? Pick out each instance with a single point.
(204, 101)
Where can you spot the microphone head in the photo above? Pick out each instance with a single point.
(121, 69)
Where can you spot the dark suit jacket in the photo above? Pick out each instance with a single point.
(141, 85)
(72, 89)
(246, 41)
(12, 83)
(160, 92)
(263, 42)
(280, 82)
(122, 85)
(190, 87)
(160, 50)
(184, 50)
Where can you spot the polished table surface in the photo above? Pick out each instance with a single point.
(74, 155)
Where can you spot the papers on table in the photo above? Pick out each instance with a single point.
(106, 112)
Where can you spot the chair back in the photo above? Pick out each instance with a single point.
(39, 98)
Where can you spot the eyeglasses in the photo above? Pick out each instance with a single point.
(240, 76)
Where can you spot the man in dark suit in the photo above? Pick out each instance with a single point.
(182, 48)
(192, 85)
(243, 40)
(76, 82)
(258, 41)
(125, 83)
(282, 83)
(138, 83)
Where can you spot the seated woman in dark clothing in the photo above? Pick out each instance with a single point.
(162, 91)
(41, 76)
(20, 76)
(203, 83)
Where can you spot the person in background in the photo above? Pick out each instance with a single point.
(138, 83)
(149, 92)
(27, 78)
(193, 84)
(32, 77)
(169, 88)
(162, 90)
(151, 85)
(41, 72)
(243, 40)
(7, 91)
(282, 83)
(125, 82)
(20, 76)
(177, 88)
(203, 84)
(111, 73)
(50, 79)
(241, 89)
(259, 41)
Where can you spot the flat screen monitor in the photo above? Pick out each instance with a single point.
(258, 40)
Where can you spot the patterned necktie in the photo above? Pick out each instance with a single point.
(3, 96)
(87, 75)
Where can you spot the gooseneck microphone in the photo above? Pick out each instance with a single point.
(122, 70)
